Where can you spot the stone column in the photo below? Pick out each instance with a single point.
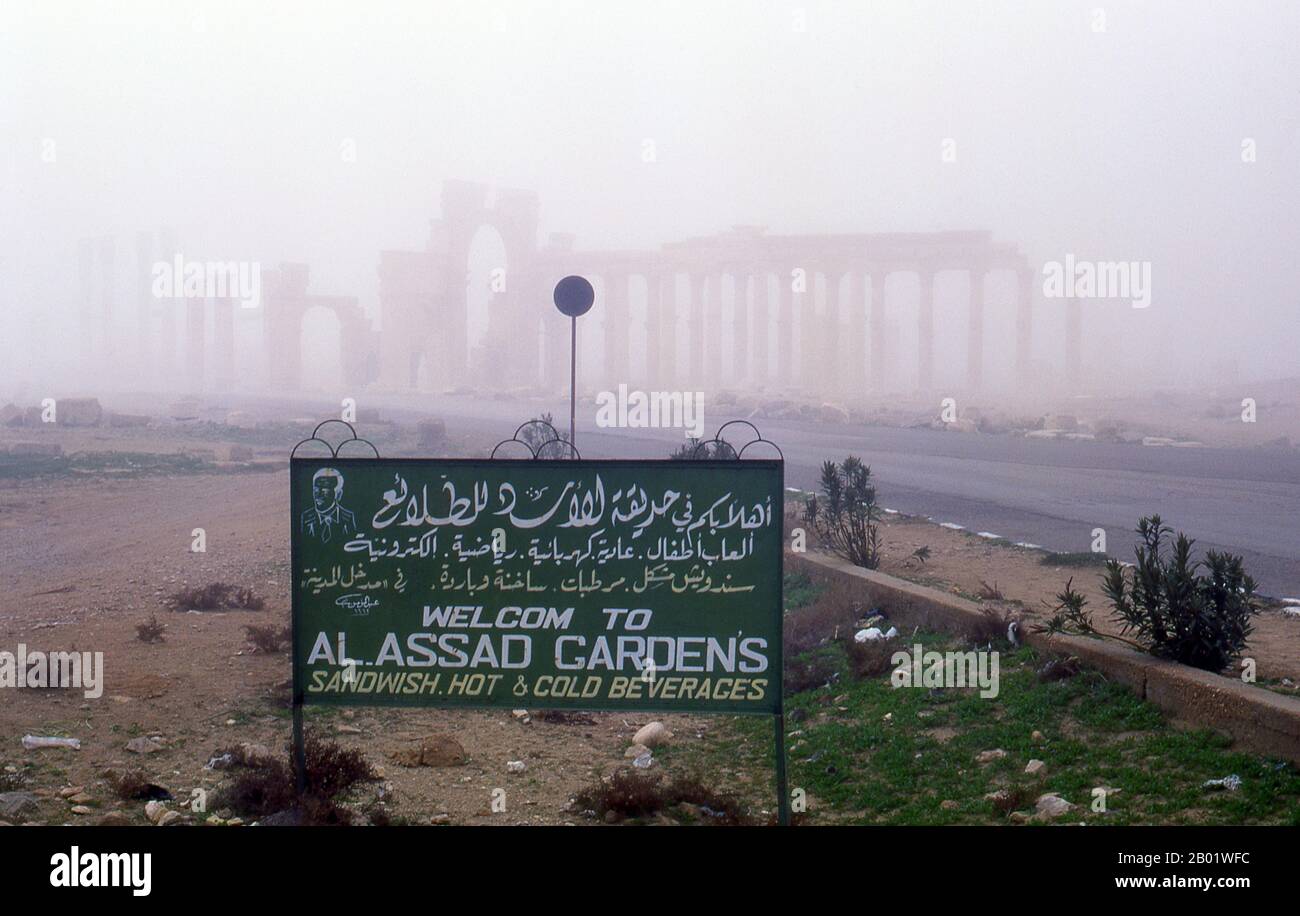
(1073, 343)
(835, 352)
(195, 332)
(975, 333)
(856, 375)
(86, 271)
(667, 329)
(784, 330)
(711, 300)
(695, 374)
(740, 326)
(653, 303)
(762, 327)
(453, 324)
(616, 319)
(809, 368)
(108, 282)
(170, 310)
(143, 306)
(877, 328)
(223, 372)
(1024, 322)
(925, 330)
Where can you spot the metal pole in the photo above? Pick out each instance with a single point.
(573, 381)
(782, 789)
(299, 751)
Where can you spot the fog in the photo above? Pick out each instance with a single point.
(321, 133)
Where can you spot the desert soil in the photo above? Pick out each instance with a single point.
(83, 561)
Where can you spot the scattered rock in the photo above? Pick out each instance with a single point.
(289, 817)
(112, 819)
(990, 756)
(652, 735)
(154, 811)
(1050, 806)
(256, 755)
(949, 805)
(644, 761)
(15, 806)
(143, 745)
(433, 751)
(71, 791)
(82, 809)
(81, 798)
(636, 751)
(516, 766)
(171, 818)
(440, 818)
(1034, 767)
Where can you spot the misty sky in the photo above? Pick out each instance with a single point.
(226, 121)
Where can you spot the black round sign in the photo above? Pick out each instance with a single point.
(574, 296)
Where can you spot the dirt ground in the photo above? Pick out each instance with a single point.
(72, 583)
(83, 561)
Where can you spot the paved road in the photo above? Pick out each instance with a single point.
(1044, 492)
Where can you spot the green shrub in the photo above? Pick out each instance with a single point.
(847, 518)
(1203, 620)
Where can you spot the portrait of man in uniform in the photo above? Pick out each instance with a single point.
(327, 519)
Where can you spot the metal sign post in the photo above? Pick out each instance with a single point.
(573, 297)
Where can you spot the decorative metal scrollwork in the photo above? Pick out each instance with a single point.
(719, 444)
(552, 448)
(334, 450)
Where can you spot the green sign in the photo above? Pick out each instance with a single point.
(637, 585)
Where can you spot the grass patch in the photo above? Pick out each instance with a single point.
(800, 589)
(864, 752)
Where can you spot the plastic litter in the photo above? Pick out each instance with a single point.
(32, 742)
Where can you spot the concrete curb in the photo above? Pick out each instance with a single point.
(1256, 719)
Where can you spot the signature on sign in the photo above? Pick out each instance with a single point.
(360, 605)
